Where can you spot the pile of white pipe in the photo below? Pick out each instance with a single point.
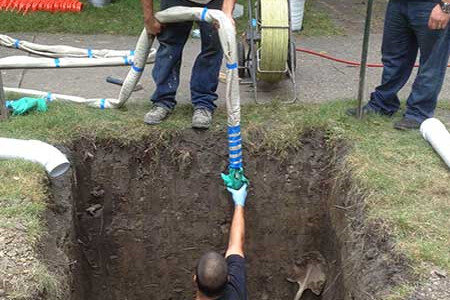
(54, 162)
(434, 132)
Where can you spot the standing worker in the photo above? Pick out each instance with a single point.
(222, 278)
(166, 70)
(412, 25)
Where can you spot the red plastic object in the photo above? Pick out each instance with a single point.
(41, 5)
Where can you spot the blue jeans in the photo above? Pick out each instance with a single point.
(205, 73)
(405, 33)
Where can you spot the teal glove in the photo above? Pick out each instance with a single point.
(24, 105)
(239, 196)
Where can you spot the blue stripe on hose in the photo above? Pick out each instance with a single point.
(89, 52)
(234, 138)
(57, 62)
(127, 62)
(204, 13)
(234, 129)
(254, 23)
(137, 69)
(8, 103)
(102, 104)
(132, 52)
(16, 44)
(234, 144)
(232, 66)
(49, 97)
(236, 166)
(235, 159)
(235, 152)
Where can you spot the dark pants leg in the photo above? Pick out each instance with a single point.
(399, 52)
(166, 70)
(205, 73)
(434, 48)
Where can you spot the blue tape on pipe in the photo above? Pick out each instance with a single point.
(8, 103)
(232, 66)
(234, 129)
(235, 152)
(57, 62)
(127, 62)
(49, 97)
(236, 166)
(89, 53)
(254, 23)
(234, 144)
(234, 138)
(235, 159)
(16, 44)
(204, 13)
(137, 69)
(132, 52)
(102, 104)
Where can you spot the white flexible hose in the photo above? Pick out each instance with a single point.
(54, 162)
(434, 132)
(60, 50)
(27, 62)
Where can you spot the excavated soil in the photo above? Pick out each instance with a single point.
(144, 213)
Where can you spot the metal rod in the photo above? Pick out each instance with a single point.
(365, 48)
(3, 110)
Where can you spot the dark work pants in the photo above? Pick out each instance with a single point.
(405, 33)
(205, 73)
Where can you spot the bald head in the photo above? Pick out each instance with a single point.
(212, 274)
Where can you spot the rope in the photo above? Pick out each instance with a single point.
(343, 61)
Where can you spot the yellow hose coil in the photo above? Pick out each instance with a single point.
(274, 41)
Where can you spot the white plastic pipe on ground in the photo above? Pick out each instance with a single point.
(27, 62)
(54, 162)
(434, 132)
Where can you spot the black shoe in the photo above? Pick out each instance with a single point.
(407, 124)
(366, 111)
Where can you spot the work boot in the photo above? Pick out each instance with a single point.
(366, 111)
(202, 118)
(406, 124)
(156, 115)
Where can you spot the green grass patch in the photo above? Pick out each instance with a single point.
(124, 17)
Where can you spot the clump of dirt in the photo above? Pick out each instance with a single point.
(144, 213)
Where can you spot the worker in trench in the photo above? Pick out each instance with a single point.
(166, 70)
(219, 277)
(411, 26)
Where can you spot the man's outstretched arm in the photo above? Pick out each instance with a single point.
(151, 24)
(237, 230)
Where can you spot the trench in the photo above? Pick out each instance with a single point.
(144, 213)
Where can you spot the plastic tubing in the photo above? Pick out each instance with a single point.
(54, 162)
(435, 133)
(343, 61)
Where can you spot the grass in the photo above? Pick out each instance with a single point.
(124, 17)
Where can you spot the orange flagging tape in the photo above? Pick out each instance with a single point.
(41, 5)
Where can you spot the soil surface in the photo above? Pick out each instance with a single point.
(145, 213)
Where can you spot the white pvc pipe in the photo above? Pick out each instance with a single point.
(54, 162)
(434, 132)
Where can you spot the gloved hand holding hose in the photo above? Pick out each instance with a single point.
(239, 196)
